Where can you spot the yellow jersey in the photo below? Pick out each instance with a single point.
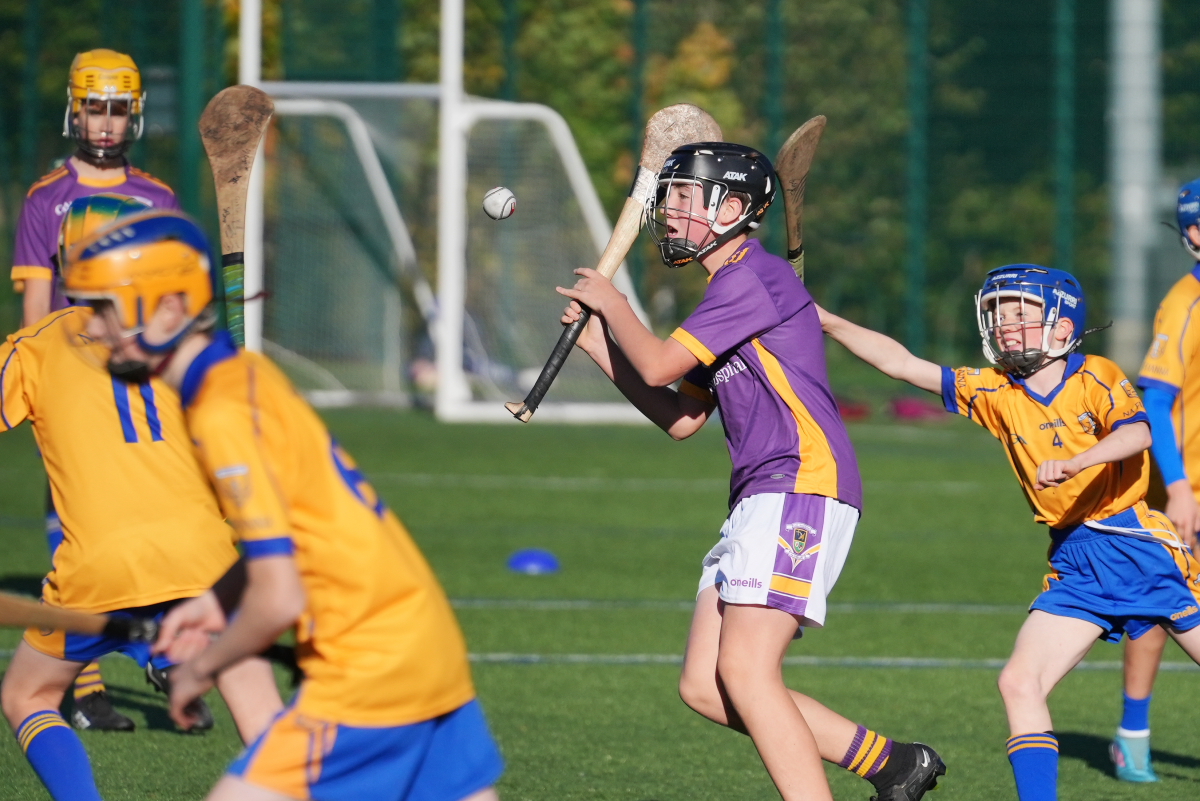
(378, 641)
(1173, 364)
(139, 523)
(1093, 400)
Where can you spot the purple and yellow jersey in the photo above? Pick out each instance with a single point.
(1173, 364)
(378, 641)
(759, 341)
(139, 523)
(1093, 400)
(35, 253)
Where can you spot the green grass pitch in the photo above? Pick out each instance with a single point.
(944, 561)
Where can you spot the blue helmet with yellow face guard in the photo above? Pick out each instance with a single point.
(1052, 295)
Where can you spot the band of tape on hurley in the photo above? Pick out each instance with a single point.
(230, 259)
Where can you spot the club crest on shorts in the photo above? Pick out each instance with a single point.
(796, 542)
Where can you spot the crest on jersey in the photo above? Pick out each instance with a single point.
(796, 542)
(1089, 422)
(1160, 345)
(234, 483)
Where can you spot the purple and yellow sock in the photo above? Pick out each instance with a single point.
(1034, 759)
(57, 756)
(868, 753)
(89, 681)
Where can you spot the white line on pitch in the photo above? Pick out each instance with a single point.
(564, 604)
(592, 483)
(801, 661)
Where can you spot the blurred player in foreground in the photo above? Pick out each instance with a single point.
(139, 527)
(387, 709)
(1076, 435)
(752, 349)
(103, 117)
(1170, 382)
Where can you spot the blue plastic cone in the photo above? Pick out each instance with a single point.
(533, 562)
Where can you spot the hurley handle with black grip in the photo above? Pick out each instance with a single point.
(558, 357)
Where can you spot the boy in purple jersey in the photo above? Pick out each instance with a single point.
(752, 349)
(103, 117)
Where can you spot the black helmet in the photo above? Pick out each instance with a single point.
(719, 168)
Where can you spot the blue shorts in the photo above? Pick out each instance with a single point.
(1121, 583)
(444, 759)
(90, 647)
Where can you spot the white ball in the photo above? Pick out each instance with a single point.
(499, 203)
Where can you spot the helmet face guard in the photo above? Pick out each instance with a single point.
(686, 202)
(694, 184)
(104, 84)
(1043, 297)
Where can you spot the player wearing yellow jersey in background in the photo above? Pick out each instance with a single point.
(387, 709)
(140, 529)
(1170, 381)
(103, 118)
(1076, 435)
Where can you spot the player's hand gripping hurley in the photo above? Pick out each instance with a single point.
(792, 165)
(231, 128)
(668, 129)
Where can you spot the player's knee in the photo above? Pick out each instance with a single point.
(1016, 684)
(699, 695)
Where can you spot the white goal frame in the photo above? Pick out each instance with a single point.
(443, 312)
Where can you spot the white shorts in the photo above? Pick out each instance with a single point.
(782, 550)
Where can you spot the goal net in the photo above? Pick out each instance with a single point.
(350, 252)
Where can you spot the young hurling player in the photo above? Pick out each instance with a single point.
(103, 117)
(1076, 434)
(1171, 385)
(139, 527)
(752, 349)
(387, 709)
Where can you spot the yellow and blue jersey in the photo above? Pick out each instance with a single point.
(1171, 371)
(378, 641)
(1093, 400)
(139, 523)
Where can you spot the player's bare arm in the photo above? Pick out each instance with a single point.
(658, 362)
(273, 600)
(677, 414)
(1126, 441)
(35, 302)
(882, 352)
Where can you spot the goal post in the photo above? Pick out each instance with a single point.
(359, 220)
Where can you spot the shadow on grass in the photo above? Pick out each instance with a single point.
(22, 584)
(1094, 751)
(153, 705)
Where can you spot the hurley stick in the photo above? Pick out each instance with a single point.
(792, 165)
(231, 127)
(26, 613)
(670, 128)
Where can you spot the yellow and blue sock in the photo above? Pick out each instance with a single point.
(1034, 759)
(57, 756)
(89, 681)
(1135, 718)
(868, 753)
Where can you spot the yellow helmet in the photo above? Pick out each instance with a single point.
(106, 76)
(88, 214)
(135, 261)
